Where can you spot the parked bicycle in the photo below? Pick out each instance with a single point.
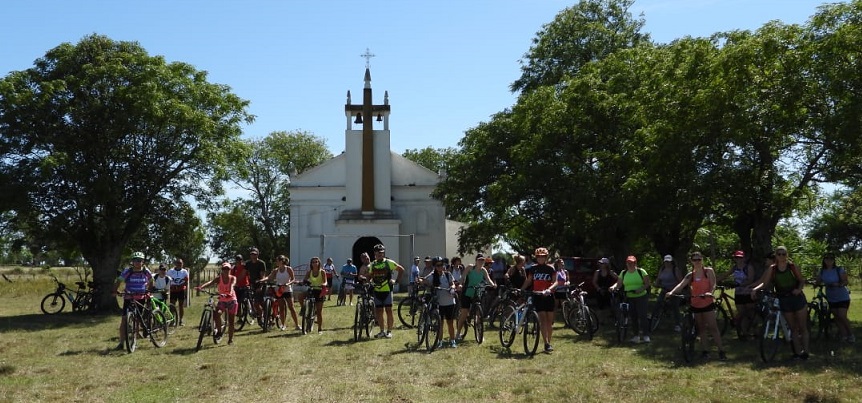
(82, 299)
(776, 330)
(246, 313)
(342, 295)
(523, 320)
(208, 323)
(475, 317)
(664, 306)
(500, 306)
(577, 315)
(142, 320)
(363, 317)
(408, 308)
(157, 302)
(821, 322)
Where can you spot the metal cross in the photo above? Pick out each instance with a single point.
(367, 55)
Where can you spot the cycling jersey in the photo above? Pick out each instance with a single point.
(543, 276)
(178, 278)
(136, 282)
(318, 280)
(381, 273)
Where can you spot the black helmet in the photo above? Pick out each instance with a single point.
(435, 260)
(379, 248)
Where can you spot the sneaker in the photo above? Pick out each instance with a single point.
(795, 357)
(388, 334)
(677, 329)
(548, 348)
(182, 323)
(704, 355)
(297, 328)
(282, 328)
(459, 338)
(453, 344)
(230, 342)
(120, 346)
(646, 339)
(380, 335)
(320, 332)
(636, 339)
(722, 356)
(804, 355)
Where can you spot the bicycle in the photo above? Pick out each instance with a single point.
(141, 318)
(208, 324)
(577, 315)
(168, 310)
(776, 330)
(81, 299)
(475, 317)
(429, 327)
(341, 300)
(500, 306)
(363, 318)
(409, 307)
(271, 315)
(524, 319)
(688, 328)
(621, 308)
(246, 313)
(663, 307)
(821, 323)
(309, 311)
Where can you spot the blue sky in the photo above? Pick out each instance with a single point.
(446, 64)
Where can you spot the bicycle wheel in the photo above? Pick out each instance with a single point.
(82, 302)
(357, 322)
(594, 322)
(342, 296)
(158, 328)
(816, 327)
(508, 330)
(578, 320)
(206, 319)
(622, 325)
(53, 303)
(267, 315)
(173, 318)
(421, 328)
(218, 332)
(407, 311)
(242, 316)
(478, 325)
(435, 331)
(657, 313)
(723, 318)
(772, 338)
(532, 333)
(131, 332)
(308, 316)
(688, 336)
(567, 308)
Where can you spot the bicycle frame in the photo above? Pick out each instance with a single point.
(141, 316)
(774, 327)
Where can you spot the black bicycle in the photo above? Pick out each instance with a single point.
(82, 299)
(363, 317)
(141, 320)
(309, 313)
(208, 324)
(622, 313)
(821, 323)
(429, 327)
(246, 313)
(578, 315)
(475, 317)
(408, 308)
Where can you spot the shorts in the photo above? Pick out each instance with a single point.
(228, 306)
(316, 293)
(792, 303)
(742, 299)
(448, 312)
(708, 308)
(382, 299)
(466, 302)
(543, 303)
(840, 305)
(348, 287)
(560, 295)
(178, 295)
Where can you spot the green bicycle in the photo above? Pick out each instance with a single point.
(157, 303)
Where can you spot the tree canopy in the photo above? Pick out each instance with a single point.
(99, 135)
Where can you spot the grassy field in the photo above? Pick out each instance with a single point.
(70, 357)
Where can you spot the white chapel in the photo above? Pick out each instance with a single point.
(368, 195)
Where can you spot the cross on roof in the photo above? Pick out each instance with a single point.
(367, 55)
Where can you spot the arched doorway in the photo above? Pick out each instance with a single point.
(364, 244)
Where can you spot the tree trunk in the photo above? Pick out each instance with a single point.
(105, 267)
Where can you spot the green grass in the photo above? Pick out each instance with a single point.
(69, 357)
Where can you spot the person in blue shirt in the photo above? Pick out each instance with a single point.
(834, 278)
(138, 280)
(348, 273)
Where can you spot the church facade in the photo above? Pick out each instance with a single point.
(368, 195)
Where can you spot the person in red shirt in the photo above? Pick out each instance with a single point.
(243, 283)
(541, 279)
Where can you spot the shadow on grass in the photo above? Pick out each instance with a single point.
(35, 322)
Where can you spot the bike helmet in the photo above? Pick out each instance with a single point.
(138, 255)
(435, 260)
(379, 248)
(541, 252)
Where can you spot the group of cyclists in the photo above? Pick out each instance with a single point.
(453, 285)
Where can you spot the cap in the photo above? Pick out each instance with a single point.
(349, 260)
(739, 253)
(668, 258)
(604, 260)
(427, 258)
(416, 258)
(632, 259)
(225, 265)
(480, 256)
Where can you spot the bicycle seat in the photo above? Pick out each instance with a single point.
(81, 284)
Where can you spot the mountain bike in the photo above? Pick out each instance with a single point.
(622, 312)
(500, 306)
(475, 317)
(409, 307)
(308, 312)
(141, 319)
(81, 299)
(363, 317)
(168, 310)
(524, 319)
(208, 324)
(429, 326)
(688, 331)
(664, 305)
(270, 317)
(246, 312)
(821, 323)
(776, 331)
(342, 295)
(577, 315)
(725, 310)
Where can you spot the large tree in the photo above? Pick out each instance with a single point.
(100, 134)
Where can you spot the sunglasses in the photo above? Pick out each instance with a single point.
(137, 260)
(781, 254)
(696, 259)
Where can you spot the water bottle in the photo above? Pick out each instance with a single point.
(518, 316)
